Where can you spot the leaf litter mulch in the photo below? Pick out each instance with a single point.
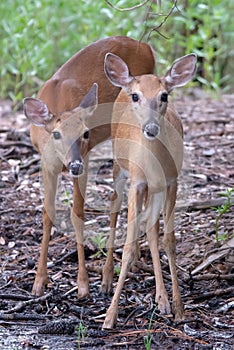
(58, 320)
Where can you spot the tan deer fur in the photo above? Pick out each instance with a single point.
(147, 138)
(60, 111)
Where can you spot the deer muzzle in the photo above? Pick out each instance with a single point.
(151, 130)
(76, 168)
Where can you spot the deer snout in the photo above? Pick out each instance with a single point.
(151, 130)
(76, 168)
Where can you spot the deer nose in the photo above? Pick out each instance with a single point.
(151, 130)
(76, 168)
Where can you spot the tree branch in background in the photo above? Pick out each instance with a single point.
(127, 8)
(148, 14)
(156, 28)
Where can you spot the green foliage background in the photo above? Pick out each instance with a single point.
(38, 36)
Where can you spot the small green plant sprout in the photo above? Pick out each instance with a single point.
(82, 332)
(117, 270)
(67, 197)
(148, 338)
(221, 210)
(100, 241)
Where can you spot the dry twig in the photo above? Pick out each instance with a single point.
(22, 304)
(127, 8)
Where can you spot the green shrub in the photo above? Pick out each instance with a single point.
(39, 36)
(206, 28)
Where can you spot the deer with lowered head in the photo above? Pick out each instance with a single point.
(66, 123)
(147, 138)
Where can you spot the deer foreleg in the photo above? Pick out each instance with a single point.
(116, 200)
(152, 229)
(50, 187)
(135, 200)
(77, 217)
(170, 248)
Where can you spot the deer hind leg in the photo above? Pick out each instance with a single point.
(50, 187)
(170, 248)
(77, 218)
(116, 201)
(135, 199)
(152, 213)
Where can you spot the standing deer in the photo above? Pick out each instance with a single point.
(147, 138)
(63, 131)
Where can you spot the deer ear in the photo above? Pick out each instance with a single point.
(116, 70)
(36, 111)
(181, 72)
(90, 100)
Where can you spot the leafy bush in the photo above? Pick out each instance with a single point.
(39, 36)
(206, 28)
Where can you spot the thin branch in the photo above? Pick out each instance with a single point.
(156, 29)
(22, 304)
(215, 293)
(127, 8)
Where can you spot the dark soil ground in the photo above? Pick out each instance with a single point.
(59, 320)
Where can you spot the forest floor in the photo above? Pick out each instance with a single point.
(59, 320)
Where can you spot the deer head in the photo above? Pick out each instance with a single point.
(69, 135)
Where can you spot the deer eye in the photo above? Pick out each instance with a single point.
(57, 135)
(164, 97)
(135, 97)
(86, 135)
